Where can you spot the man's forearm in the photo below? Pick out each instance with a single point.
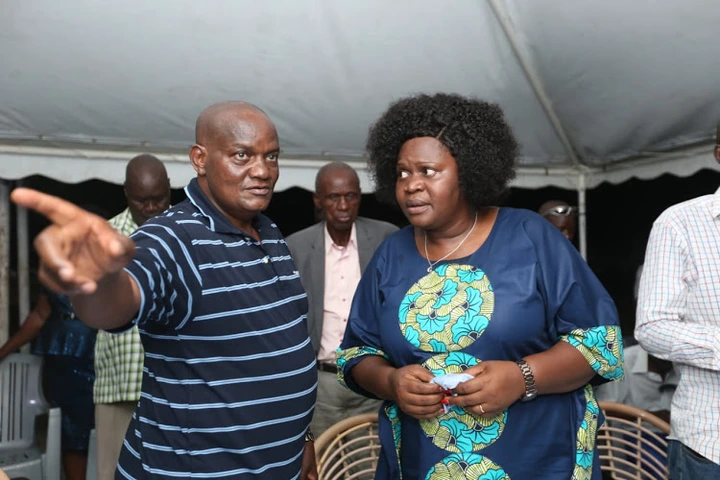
(113, 304)
(681, 342)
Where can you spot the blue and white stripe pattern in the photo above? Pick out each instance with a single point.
(229, 380)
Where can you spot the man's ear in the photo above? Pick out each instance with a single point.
(198, 157)
(316, 201)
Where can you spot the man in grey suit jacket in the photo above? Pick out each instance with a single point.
(331, 256)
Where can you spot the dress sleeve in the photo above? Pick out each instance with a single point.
(166, 275)
(362, 335)
(579, 309)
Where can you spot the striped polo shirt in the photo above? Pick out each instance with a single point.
(229, 379)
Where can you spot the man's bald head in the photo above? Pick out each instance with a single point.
(147, 187)
(236, 156)
(144, 164)
(337, 194)
(218, 119)
(332, 169)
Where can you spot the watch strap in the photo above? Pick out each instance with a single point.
(530, 387)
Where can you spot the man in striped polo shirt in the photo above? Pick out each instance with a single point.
(229, 378)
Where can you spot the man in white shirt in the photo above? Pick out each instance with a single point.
(330, 257)
(678, 319)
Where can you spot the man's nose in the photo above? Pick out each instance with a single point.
(260, 169)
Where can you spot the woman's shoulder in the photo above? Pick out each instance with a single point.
(534, 225)
(399, 239)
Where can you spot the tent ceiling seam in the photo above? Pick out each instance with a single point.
(536, 83)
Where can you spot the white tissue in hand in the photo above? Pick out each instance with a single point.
(450, 381)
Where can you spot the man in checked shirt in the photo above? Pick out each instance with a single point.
(678, 319)
(119, 357)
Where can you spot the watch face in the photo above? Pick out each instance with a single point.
(309, 437)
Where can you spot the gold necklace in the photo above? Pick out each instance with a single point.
(427, 257)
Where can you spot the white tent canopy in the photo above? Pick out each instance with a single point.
(595, 91)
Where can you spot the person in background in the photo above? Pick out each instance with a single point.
(330, 257)
(119, 357)
(495, 294)
(67, 346)
(678, 320)
(229, 378)
(562, 215)
(649, 382)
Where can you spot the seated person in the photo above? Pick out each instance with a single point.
(649, 384)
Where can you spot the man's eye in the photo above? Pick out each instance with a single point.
(273, 157)
(241, 155)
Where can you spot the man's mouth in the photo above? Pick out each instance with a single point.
(259, 190)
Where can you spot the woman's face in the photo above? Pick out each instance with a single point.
(427, 187)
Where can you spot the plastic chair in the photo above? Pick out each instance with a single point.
(349, 449)
(632, 444)
(21, 400)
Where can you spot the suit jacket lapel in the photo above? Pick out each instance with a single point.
(365, 250)
(317, 264)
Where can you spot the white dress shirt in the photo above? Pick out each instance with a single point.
(678, 316)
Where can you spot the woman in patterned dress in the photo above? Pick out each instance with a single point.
(468, 287)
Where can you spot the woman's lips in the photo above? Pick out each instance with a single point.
(415, 208)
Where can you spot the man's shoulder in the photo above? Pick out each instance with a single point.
(305, 235)
(680, 212)
(181, 217)
(376, 225)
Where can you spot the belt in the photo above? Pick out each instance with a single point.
(327, 367)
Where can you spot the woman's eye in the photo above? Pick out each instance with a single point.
(403, 174)
(430, 172)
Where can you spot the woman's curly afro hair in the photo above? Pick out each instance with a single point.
(472, 130)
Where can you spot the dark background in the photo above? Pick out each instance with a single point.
(619, 219)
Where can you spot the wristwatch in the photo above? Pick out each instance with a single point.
(309, 437)
(530, 388)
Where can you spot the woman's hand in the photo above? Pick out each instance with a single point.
(496, 386)
(413, 392)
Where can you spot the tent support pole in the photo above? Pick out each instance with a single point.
(23, 265)
(582, 217)
(535, 81)
(4, 261)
